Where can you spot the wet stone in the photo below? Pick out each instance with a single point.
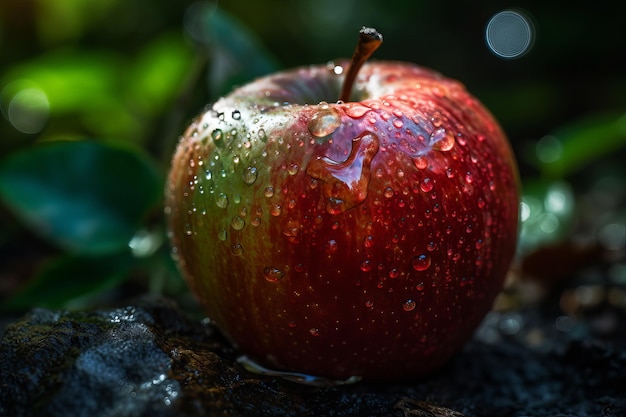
(151, 359)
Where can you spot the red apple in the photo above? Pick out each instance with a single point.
(362, 238)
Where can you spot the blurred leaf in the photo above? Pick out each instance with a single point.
(72, 80)
(584, 141)
(85, 196)
(69, 278)
(237, 55)
(547, 212)
(83, 85)
(62, 20)
(158, 73)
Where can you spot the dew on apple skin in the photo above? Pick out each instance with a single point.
(222, 235)
(420, 162)
(409, 305)
(237, 223)
(426, 185)
(237, 249)
(249, 175)
(236, 115)
(356, 111)
(331, 246)
(269, 192)
(221, 200)
(276, 210)
(272, 274)
(442, 140)
(421, 262)
(217, 135)
(262, 135)
(324, 122)
(388, 192)
(314, 331)
(293, 169)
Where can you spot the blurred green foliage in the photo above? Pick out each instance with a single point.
(94, 94)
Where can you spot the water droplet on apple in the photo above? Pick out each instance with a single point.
(221, 200)
(262, 135)
(394, 273)
(222, 235)
(237, 249)
(442, 140)
(369, 303)
(366, 265)
(345, 183)
(314, 331)
(356, 110)
(236, 115)
(426, 185)
(237, 223)
(421, 262)
(272, 274)
(269, 192)
(331, 246)
(369, 241)
(420, 162)
(249, 175)
(398, 123)
(217, 135)
(388, 192)
(276, 210)
(409, 305)
(293, 169)
(324, 122)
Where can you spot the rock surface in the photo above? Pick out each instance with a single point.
(150, 359)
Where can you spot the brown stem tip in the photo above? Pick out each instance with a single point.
(369, 41)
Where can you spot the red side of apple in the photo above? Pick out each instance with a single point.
(366, 238)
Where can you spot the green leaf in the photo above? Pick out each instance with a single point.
(237, 55)
(578, 144)
(158, 73)
(85, 196)
(67, 280)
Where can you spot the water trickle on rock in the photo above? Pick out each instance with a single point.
(324, 122)
(345, 183)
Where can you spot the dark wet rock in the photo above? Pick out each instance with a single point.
(150, 359)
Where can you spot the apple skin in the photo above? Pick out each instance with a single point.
(366, 238)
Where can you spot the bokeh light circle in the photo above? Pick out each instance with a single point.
(510, 34)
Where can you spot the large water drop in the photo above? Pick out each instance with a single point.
(421, 262)
(324, 122)
(442, 140)
(345, 183)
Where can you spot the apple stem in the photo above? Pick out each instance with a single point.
(369, 41)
